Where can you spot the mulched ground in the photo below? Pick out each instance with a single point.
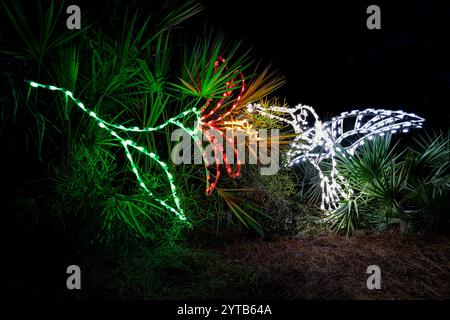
(334, 267)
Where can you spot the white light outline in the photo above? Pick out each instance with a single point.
(328, 138)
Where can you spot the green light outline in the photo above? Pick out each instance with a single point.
(126, 143)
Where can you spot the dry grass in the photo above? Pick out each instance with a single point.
(334, 267)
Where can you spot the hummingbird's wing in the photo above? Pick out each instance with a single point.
(351, 129)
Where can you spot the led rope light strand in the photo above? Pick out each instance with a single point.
(126, 143)
(200, 117)
(214, 124)
(323, 140)
(224, 95)
(200, 120)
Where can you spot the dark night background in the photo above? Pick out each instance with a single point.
(334, 63)
(330, 60)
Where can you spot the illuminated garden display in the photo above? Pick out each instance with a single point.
(158, 149)
(317, 141)
(314, 143)
(203, 118)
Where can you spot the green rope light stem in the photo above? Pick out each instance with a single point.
(127, 143)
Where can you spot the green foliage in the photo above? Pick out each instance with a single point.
(137, 76)
(394, 187)
(166, 272)
(242, 210)
(42, 39)
(141, 76)
(275, 195)
(200, 78)
(430, 180)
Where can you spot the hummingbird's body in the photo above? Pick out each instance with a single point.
(343, 135)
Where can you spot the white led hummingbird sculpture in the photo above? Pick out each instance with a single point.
(344, 134)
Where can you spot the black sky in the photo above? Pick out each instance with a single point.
(333, 62)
